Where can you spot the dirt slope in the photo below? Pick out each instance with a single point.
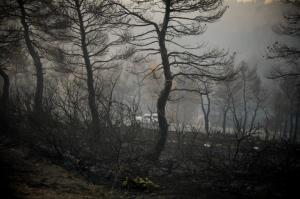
(36, 178)
(23, 176)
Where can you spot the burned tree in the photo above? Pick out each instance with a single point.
(223, 92)
(10, 46)
(87, 44)
(163, 23)
(205, 88)
(288, 69)
(247, 96)
(289, 55)
(5, 91)
(291, 97)
(30, 19)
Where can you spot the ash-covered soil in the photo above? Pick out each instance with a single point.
(26, 175)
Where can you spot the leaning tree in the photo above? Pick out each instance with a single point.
(158, 27)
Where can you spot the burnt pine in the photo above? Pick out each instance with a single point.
(163, 23)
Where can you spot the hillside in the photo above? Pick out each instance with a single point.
(25, 174)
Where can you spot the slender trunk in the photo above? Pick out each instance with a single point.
(90, 78)
(5, 94)
(238, 142)
(296, 123)
(224, 120)
(285, 128)
(275, 129)
(296, 128)
(292, 124)
(235, 119)
(280, 129)
(226, 110)
(16, 85)
(206, 114)
(245, 117)
(139, 92)
(162, 121)
(164, 94)
(253, 118)
(245, 106)
(36, 59)
(206, 123)
(177, 115)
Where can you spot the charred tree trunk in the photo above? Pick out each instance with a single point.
(226, 110)
(245, 110)
(236, 121)
(284, 134)
(253, 118)
(206, 113)
(5, 94)
(161, 103)
(162, 121)
(164, 94)
(36, 59)
(90, 78)
(296, 123)
(177, 116)
(224, 120)
(291, 124)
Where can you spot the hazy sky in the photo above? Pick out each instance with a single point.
(246, 28)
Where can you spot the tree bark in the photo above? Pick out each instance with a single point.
(292, 124)
(90, 78)
(254, 117)
(235, 119)
(164, 94)
(177, 115)
(36, 59)
(224, 120)
(206, 114)
(296, 123)
(226, 110)
(284, 134)
(245, 110)
(5, 94)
